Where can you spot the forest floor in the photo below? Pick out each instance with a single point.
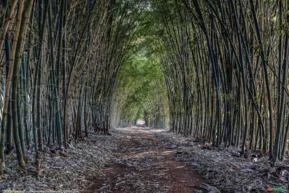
(157, 161)
(145, 163)
(142, 160)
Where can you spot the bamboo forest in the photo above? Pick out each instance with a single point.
(144, 96)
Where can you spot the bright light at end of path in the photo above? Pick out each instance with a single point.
(140, 122)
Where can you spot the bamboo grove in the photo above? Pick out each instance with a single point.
(217, 70)
(226, 69)
(141, 94)
(141, 90)
(59, 60)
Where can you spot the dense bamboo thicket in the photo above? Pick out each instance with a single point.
(226, 67)
(141, 91)
(217, 70)
(59, 61)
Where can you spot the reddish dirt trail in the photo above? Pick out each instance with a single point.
(145, 164)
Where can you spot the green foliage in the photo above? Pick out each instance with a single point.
(280, 189)
(141, 91)
(141, 87)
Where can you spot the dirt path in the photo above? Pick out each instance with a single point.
(145, 163)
